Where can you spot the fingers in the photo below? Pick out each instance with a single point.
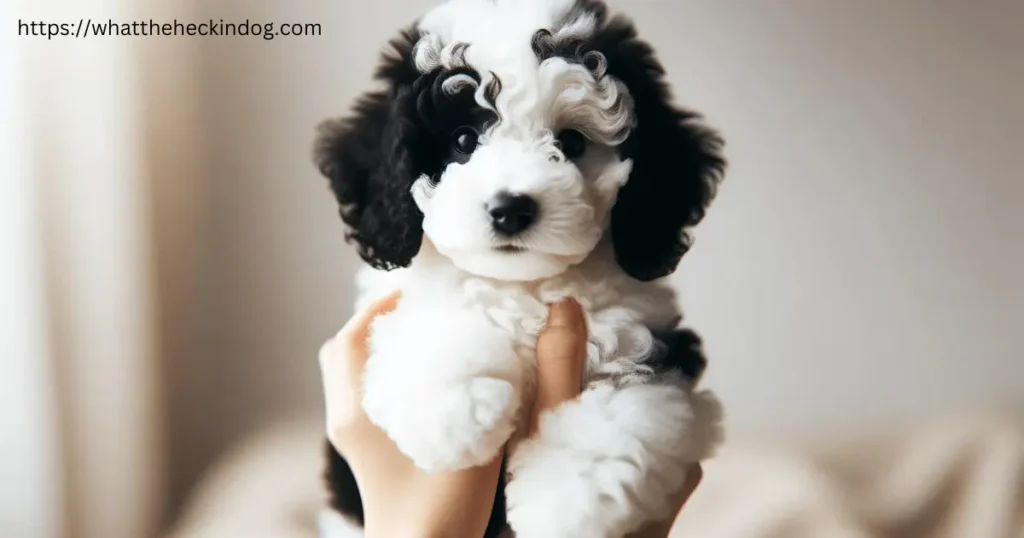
(341, 365)
(663, 529)
(340, 398)
(692, 481)
(347, 350)
(561, 350)
(355, 332)
(693, 478)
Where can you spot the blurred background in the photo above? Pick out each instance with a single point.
(172, 261)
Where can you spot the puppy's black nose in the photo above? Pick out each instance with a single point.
(512, 213)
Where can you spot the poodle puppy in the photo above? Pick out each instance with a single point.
(521, 152)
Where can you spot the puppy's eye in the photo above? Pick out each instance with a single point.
(572, 143)
(465, 140)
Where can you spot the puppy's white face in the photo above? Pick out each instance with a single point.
(505, 136)
(526, 167)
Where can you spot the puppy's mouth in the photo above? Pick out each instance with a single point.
(510, 249)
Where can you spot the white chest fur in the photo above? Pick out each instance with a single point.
(619, 310)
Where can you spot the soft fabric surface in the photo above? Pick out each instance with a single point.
(962, 477)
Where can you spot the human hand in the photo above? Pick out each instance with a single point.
(456, 504)
(663, 529)
(561, 351)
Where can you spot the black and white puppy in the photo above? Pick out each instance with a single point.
(522, 152)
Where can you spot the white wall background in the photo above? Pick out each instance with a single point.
(29, 447)
(865, 262)
(861, 267)
(80, 420)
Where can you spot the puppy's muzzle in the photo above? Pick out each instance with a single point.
(512, 214)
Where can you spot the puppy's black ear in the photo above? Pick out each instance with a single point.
(370, 167)
(677, 164)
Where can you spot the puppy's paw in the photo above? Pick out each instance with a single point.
(443, 383)
(558, 505)
(607, 463)
(477, 419)
(450, 427)
(558, 490)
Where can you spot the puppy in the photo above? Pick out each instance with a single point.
(522, 152)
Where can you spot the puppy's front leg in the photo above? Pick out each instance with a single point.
(608, 463)
(444, 384)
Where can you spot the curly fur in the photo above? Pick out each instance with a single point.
(451, 367)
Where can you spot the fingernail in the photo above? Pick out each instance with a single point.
(565, 313)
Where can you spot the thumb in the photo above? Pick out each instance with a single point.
(561, 351)
(354, 334)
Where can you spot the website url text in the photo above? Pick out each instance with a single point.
(86, 28)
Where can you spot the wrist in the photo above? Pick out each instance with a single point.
(412, 529)
(416, 517)
(411, 504)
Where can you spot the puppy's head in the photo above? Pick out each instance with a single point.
(516, 134)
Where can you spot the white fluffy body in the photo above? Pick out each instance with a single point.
(452, 366)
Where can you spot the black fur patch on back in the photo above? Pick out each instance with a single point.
(680, 351)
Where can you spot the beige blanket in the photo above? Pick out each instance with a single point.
(962, 477)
